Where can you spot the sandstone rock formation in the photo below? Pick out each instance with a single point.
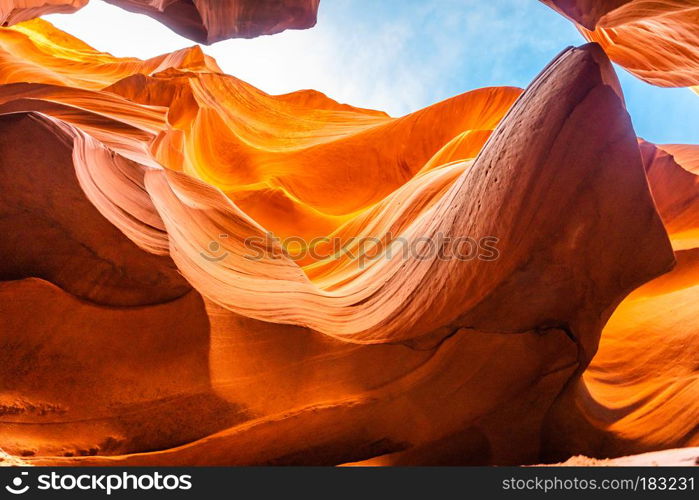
(129, 226)
(639, 393)
(209, 21)
(204, 21)
(656, 40)
(16, 11)
(588, 13)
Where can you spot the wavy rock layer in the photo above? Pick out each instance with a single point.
(658, 41)
(166, 169)
(17, 11)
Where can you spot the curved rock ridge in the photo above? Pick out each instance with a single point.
(383, 314)
(35, 51)
(17, 11)
(280, 139)
(264, 143)
(673, 173)
(52, 231)
(656, 40)
(639, 393)
(133, 217)
(209, 21)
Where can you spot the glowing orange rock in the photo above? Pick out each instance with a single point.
(341, 358)
(208, 21)
(673, 173)
(658, 40)
(17, 11)
(263, 144)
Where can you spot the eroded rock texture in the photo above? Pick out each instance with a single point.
(640, 392)
(204, 21)
(656, 40)
(139, 326)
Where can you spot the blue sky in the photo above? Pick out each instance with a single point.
(398, 55)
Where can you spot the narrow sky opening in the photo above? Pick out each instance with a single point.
(396, 55)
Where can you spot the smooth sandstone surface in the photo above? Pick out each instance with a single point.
(128, 227)
(209, 21)
(639, 393)
(656, 40)
(204, 21)
(680, 457)
(16, 11)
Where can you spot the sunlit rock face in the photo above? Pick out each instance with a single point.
(208, 21)
(16, 11)
(656, 40)
(139, 326)
(639, 393)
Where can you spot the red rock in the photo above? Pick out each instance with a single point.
(17, 11)
(674, 179)
(52, 231)
(388, 360)
(209, 21)
(81, 376)
(586, 13)
(658, 41)
(120, 174)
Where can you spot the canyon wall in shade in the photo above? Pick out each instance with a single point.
(204, 21)
(16, 11)
(209, 21)
(639, 393)
(656, 40)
